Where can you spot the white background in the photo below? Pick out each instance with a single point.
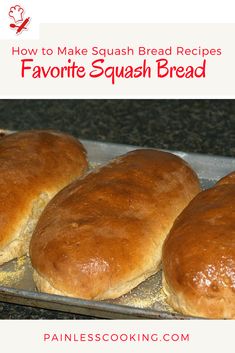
(156, 11)
(154, 23)
(121, 11)
(205, 336)
(219, 81)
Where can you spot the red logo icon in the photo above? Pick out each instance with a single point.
(17, 14)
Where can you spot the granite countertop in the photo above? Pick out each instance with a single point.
(203, 126)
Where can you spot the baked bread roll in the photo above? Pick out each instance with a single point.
(228, 179)
(199, 255)
(34, 166)
(102, 235)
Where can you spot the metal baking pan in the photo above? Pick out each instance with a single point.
(147, 301)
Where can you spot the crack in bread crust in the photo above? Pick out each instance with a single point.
(20, 244)
(34, 166)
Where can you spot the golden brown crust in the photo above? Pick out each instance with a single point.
(34, 165)
(102, 235)
(228, 179)
(199, 255)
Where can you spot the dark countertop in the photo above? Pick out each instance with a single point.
(204, 126)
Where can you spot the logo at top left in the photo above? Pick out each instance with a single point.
(20, 24)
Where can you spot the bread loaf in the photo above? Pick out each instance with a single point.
(199, 255)
(102, 235)
(34, 166)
